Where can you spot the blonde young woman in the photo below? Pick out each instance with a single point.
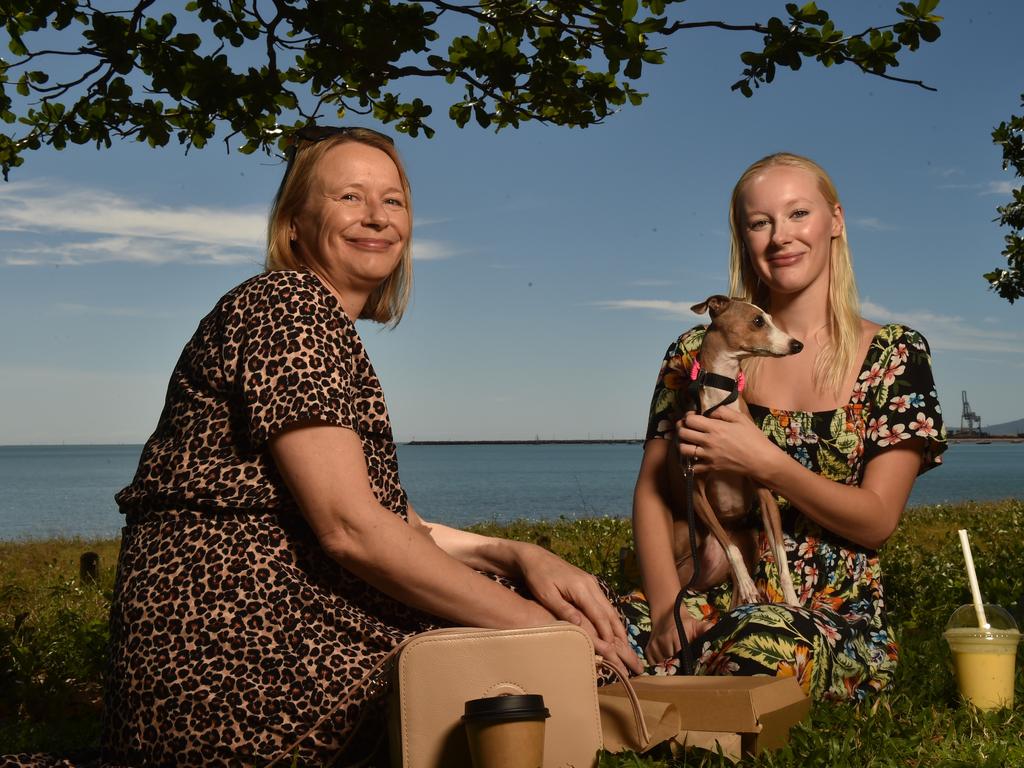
(839, 432)
(270, 555)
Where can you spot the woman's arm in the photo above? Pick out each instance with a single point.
(570, 593)
(653, 533)
(652, 529)
(866, 515)
(325, 470)
(481, 553)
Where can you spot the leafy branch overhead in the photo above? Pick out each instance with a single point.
(1009, 282)
(255, 69)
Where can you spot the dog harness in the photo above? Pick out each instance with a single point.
(701, 378)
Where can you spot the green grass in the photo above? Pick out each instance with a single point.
(52, 631)
(53, 634)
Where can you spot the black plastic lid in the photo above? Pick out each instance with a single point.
(528, 706)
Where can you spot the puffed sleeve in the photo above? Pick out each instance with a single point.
(670, 396)
(900, 396)
(294, 357)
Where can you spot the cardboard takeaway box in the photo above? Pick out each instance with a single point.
(740, 715)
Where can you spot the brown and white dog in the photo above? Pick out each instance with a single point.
(738, 330)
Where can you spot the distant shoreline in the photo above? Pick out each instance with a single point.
(610, 441)
(638, 441)
(988, 439)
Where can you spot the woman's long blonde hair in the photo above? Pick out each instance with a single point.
(388, 301)
(838, 355)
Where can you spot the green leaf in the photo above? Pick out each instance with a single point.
(556, 62)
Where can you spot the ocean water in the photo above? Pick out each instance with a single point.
(68, 490)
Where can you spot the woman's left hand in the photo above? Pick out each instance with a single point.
(574, 595)
(727, 441)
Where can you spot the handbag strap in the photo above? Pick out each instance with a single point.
(642, 732)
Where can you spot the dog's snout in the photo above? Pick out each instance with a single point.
(795, 346)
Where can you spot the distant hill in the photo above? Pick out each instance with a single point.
(1006, 428)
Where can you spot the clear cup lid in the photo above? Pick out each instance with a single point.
(965, 617)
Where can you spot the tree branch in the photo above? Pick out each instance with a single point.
(673, 28)
(918, 83)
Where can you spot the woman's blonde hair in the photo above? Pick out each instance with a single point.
(388, 301)
(838, 355)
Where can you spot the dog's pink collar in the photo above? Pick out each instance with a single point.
(741, 380)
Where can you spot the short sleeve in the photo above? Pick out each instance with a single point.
(670, 392)
(900, 396)
(294, 349)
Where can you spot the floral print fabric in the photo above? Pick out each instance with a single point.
(838, 644)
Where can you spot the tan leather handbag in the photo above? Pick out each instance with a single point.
(437, 672)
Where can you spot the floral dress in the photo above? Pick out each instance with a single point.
(838, 644)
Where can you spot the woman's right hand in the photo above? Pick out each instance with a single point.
(664, 641)
(573, 595)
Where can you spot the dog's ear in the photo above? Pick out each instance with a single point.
(714, 305)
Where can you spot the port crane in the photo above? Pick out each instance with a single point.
(970, 418)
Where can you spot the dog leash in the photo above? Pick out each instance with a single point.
(685, 655)
(698, 378)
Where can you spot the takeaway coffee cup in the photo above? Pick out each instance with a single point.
(984, 659)
(506, 731)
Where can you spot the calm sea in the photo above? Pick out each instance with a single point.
(68, 490)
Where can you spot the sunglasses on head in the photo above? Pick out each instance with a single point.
(314, 134)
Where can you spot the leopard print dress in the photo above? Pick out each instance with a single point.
(232, 631)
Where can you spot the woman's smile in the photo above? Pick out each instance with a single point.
(370, 243)
(783, 259)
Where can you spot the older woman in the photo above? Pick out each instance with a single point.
(270, 555)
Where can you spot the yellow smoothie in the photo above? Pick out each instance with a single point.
(985, 663)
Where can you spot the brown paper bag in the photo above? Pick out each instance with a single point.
(737, 715)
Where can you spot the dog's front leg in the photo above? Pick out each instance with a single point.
(773, 528)
(744, 590)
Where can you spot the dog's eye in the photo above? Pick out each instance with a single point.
(759, 321)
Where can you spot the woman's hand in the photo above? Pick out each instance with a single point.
(573, 595)
(866, 515)
(664, 641)
(727, 441)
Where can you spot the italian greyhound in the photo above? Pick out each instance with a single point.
(738, 330)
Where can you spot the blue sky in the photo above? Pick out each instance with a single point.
(553, 266)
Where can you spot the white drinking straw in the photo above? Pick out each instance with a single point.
(972, 577)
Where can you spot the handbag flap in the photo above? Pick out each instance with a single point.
(438, 671)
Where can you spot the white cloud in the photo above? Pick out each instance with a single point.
(651, 283)
(997, 188)
(38, 206)
(105, 227)
(432, 250)
(672, 308)
(984, 188)
(949, 333)
(869, 222)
